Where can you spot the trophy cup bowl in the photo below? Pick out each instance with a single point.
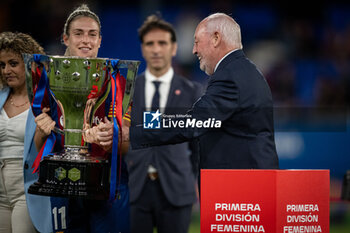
(75, 171)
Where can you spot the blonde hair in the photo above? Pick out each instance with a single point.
(81, 11)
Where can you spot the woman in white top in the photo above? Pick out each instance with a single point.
(14, 111)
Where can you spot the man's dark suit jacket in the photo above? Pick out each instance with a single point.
(239, 96)
(173, 162)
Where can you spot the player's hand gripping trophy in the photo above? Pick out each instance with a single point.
(80, 93)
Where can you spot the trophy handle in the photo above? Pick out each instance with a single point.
(132, 67)
(90, 103)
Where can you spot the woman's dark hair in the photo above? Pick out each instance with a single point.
(156, 22)
(18, 43)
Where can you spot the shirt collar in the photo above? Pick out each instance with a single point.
(217, 64)
(165, 78)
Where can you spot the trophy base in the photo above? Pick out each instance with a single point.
(82, 176)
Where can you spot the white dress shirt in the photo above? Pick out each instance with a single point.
(164, 88)
(12, 132)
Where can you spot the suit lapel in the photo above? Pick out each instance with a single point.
(4, 93)
(173, 97)
(174, 93)
(140, 89)
(29, 132)
(30, 125)
(139, 98)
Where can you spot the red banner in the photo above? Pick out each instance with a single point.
(273, 201)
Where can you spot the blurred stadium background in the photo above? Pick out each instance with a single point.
(303, 51)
